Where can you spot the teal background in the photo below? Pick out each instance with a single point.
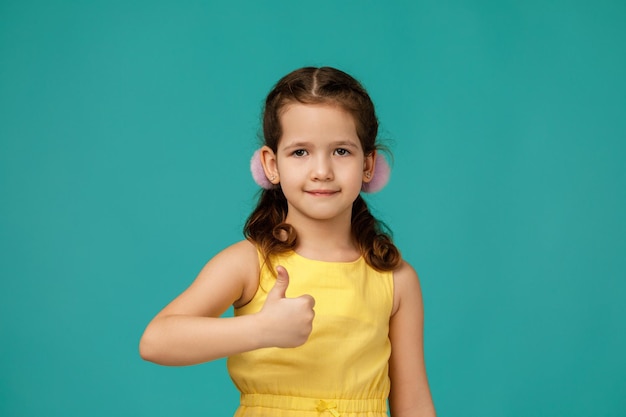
(126, 129)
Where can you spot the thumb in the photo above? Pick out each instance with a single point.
(282, 282)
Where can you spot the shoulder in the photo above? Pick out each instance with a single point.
(236, 260)
(244, 256)
(225, 280)
(238, 255)
(406, 286)
(237, 267)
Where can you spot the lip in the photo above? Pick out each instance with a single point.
(322, 193)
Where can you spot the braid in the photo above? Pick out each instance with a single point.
(374, 243)
(266, 225)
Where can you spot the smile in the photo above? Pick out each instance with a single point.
(321, 193)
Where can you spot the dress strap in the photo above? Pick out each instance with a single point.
(333, 406)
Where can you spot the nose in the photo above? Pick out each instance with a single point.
(322, 169)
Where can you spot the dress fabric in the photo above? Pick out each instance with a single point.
(342, 369)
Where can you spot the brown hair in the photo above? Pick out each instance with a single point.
(266, 225)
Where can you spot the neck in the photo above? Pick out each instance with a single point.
(325, 240)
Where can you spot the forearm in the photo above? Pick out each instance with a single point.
(179, 340)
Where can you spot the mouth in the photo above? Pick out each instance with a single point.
(321, 193)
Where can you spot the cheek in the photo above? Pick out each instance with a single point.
(353, 173)
(285, 167)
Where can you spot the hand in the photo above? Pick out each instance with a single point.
(287, 322)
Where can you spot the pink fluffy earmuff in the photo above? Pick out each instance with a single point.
(380, 176)
(257, 171)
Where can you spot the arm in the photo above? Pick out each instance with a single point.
(410, 394)
(190, 330)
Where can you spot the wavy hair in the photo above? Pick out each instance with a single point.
(266, 226)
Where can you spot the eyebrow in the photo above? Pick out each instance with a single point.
(305, 144)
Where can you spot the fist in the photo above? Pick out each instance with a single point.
(287, 322)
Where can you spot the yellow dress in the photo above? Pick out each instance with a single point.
(342, 370)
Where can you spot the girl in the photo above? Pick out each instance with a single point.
(328, 317)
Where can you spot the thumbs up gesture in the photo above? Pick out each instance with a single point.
(289, 321)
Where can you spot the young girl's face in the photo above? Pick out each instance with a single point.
(320, 161)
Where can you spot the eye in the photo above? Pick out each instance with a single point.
(299, 152)
(342, 152)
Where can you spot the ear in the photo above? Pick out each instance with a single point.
(369, 163)
(270, 165)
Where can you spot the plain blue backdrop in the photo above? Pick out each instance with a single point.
(126, 129)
